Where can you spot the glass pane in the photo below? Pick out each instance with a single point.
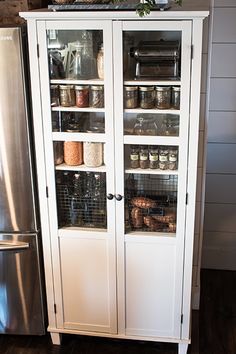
(84, 122)
(81, 199)
(151, 203)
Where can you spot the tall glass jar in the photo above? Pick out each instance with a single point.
(93, 154)
(97, 97)
(173, 158)
(67, 95)
(73, 153)
(146, 97)
(100, 62)
(153, 157)
(163, 97)
(58, 152)
(134, 156)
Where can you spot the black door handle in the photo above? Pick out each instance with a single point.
(118, 197)
(110, 196)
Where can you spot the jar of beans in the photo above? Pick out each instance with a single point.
(82, 96)
(73, 153)
(97, 97)
(131, 97)
(146, 97)
(163, 97)
(67, 95)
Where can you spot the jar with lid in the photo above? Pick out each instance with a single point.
(153, 157)
(131, 97)
(163, 158)
(100, 62)
(54, 90)
(97, 97)
(58, 152)
(67, 95)
(176, 97)
(134, 156)
(93, 154)
(143, 157)
(173, 158)
(163, 97)
(146, 97)
(73, 153)
(82, 96)
(81, 64)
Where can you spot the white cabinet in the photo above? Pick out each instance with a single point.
(117, 232)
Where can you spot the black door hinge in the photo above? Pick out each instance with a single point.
(182, 319)
(47, 191)
(55, 308)
(38, 50)
(192, 48)
(186, 201)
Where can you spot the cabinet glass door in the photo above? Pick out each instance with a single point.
(75, 66)
(152, 116)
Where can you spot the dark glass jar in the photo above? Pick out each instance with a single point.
(163, 158)
(55, 100)
(173, 158)
(176, 97)
(146, 97)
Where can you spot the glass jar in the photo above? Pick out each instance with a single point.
(58, 152)
(131, 97)
(163, 97)
(82, 63)
(67, 95)
(143, 157)
(82, 96)
(151, 127)
(100, 62)
(175, 97)
(93, 154)
(153, 157)
(168, 127)
(140, 126)
(163, 158)
(97, 97)
(54, 90)
(73, 153)
(76, 202)
(146, 97)
(134, 156)
(56, 67)
(173, 158)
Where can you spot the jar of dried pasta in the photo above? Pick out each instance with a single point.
(73, 153)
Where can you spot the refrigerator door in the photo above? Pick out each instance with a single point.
(21, 310)
(17, 211)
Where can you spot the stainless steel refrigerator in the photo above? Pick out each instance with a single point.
(21, 285)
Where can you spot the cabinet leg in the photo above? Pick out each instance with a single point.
(56, 338)
(183, 348)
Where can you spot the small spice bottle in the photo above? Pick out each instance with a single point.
(163, 158)
(93, 154)
(67, 95)
(173, 158)
(153, 157)
(54, 90)
(97, 97)
(143, 157)
(131, 97)
(100, 62)
(82, 96)
(146, 97)
(134, 156)
(176, 97)
(73, 153)
(163, 97)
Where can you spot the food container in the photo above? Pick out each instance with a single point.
(67, 95)
(153, 157)
(175, 101)
(163, 158)
(146, 97)
(97, 97)
(173, 158)
(93, 154)
(82, 96)
(55, 100)
(73, 153)
(134, 156)
(163, 97)
(143, 157)
(100, 62)
(58, 152)
(131, 97)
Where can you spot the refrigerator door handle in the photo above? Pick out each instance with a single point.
(13, 245)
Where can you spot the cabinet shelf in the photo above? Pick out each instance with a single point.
(77, 109)
(76, 82)
(152, 111)
(163, 82)
(151, 140)
(149, 171)
(92, 137)
(140, 236)
(84, 168)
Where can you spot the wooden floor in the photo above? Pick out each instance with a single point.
(213, 330)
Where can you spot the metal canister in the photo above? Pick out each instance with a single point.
(67, 95)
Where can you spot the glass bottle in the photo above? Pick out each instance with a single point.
(153, 157)
(163, 158)
(100, 62)
(76, 205)
(143, 157)
(134, 156)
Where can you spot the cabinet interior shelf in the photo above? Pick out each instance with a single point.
(152, 111)
(92, 137)
(77, 109)
(77, 82)
(152, 82)
(83, 167)
(139, 235)
(149, 171)
(151, 140)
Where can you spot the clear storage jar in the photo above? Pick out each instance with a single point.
(173, 158)
(163, 97)
(163, 158)
(131, 97)
(82, 96)
(67, 95)
(93, 154)
(153, 157)
(176, 97)
(146, 97)
(73, 153)
(96, 97)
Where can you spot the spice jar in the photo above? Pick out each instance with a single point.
(143, 157)
(82, 96)
(176, 97)
(173, 158)
(67, 95)
(58, 152)
(163, 97)
(73, 153)
(100, 62)
(131, 97)
(146, 97)
(97, 97)
(54, 90)
(153, 157)
(93, 154)
(163, 158)
(134, 156)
